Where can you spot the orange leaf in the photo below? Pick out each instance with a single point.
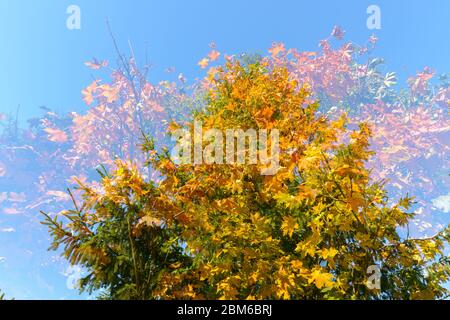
(110, 93)
(89, 91)
(213, 55)
(203, 63)
(276, 49)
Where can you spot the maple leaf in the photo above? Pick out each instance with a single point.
(203, 63)
(276, 49)
(355, 202)
(321, 279)
(88, 92)
(111, 93)
(289, 225)
(329, 253)
(297, 264)
(288, 200)
(213, 55)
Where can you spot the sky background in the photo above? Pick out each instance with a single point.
(42, 63)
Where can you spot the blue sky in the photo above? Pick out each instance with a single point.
(41, 61)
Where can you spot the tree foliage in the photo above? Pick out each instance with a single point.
(224, 231)
(410, 135)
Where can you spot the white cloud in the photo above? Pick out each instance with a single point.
(8, 230)
(442, 203)
(73, 274)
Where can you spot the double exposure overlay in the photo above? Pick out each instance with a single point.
(288, 150)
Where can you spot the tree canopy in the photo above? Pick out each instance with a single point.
(311, 230)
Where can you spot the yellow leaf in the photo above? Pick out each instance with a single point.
(329, 253)
(321, 279)
(175, 265)
(296, 264)
(355, 202)
(289, 225)
(203, 63)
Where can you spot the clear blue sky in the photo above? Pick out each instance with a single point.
(41, 61)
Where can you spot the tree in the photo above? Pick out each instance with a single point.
(410, 125)
(112, 236)
(410, 135)
(312, 230)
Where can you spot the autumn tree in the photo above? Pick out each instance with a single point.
(114, 237)
(310, 230)
(410, 125)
